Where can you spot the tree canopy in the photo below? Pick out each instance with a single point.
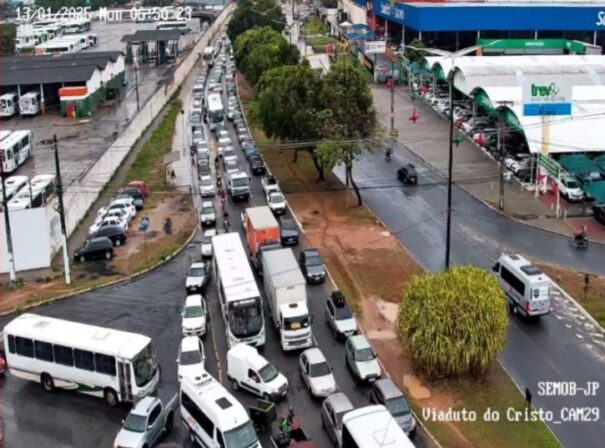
(8, 33)
(416, 53)
(255, 14)
(453, 323)
(262, 49)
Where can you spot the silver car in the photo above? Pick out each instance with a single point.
(386, 393)
(333, 409)
(316, 373)
(361, 359)
(339, 316)
(207, 186)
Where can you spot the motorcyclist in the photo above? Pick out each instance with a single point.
(581, 236)
(387, 154)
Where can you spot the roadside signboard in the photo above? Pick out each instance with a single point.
(546, 98)
(549, 165)
(374, 47)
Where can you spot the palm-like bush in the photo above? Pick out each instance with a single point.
(453, 323)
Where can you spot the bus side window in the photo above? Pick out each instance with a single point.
(496, 267)
(11, 343)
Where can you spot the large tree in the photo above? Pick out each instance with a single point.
(414, 52)
(262, 49)
(8, 32)
(453, 323)
(255, 14)
(289, 107)
(351, 122)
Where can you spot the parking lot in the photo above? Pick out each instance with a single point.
(152, 305)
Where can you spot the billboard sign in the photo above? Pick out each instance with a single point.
(374, 47)
(546, 98)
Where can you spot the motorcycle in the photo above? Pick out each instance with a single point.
(387, 155)
(579, 242)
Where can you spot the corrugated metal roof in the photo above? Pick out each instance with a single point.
(46, 75)
(152, 35)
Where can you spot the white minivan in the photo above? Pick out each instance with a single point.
(213, 417)
(526, 287)
(250, 371)
(372, 427)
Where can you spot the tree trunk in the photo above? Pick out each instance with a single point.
(347, 178)
(295, 158)
(349, 170)
(318, 167)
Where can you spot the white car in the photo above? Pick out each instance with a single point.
(197, 277)
(198, 137)
(129, 211)
(229, 155)
(231, 166)
(517, 162)
(232, 100)
(194, 316)
(208, 214)
(570, 189)
(115, 213)
(207, 242)
(207, 186)
(223, 134)
(108, 222)
(269, 183)
(191, 358)
(223, 143)
(316, 373)
(277, 202)
(126, 203)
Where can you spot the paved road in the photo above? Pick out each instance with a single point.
(561, 347)
(151, 305)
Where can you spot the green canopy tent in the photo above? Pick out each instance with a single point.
(600, 162)
(597, 191)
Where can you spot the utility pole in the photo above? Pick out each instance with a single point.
(136, 81)
(61, 212)
(448, 233)
(7, 226)
(501, 155)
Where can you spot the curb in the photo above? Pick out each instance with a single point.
(126, 279)
(580, 307)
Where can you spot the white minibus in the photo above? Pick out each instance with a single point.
(372, 427)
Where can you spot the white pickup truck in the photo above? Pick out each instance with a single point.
(269, 183)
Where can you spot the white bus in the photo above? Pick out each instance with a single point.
(172, 25)
(102, 362)
(15, 149)
(34, 194)
(526, 287)
(9, 104)
(76, 26)
(208, 56)
(60, 45)
(213, 417)
(216, 113)
(372, 427)
(240, 299)
(86, 40)
(13, 185)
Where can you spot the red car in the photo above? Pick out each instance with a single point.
(139, 185)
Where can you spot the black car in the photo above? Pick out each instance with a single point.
(598, 211)
(288, 232)
(135, 194)
(95, 249)
(407, 174)
(116, 234)
(525, 175)
(312, 266)
(257, 165)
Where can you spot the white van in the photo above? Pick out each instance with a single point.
(250, 371)
(526, 287)
(372, 427)
(213, 417)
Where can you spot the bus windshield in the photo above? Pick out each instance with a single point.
(144, 365)
(246, 320)
(241, 437)
(216, 116)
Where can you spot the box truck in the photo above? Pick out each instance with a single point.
(261, 227)
(286, 291)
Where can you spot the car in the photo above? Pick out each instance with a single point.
(239, 123)
(208, 214)
(204, 170)
(207, 186)
(361, 360)
(517, 162)
(116, 234)
(95, 249)
(570, 189)
(116, 213)
(202, 149)
(203, 158)
(147, 422)
(229, 155)
(107, 222)
(316, 373)
(257, 165)
(525, 175)
(194, 316)
(288, 232)
(250, 150)
(386, 393)
(407, 174)
(197, 277)
(339, 316)
(223, 144)
(598, 213)
(207, 242)
(140, 185)
(137, 198)
(312, 266)
(223, 134)
(198, 137)
(277, 203)
(269, 183)
(231, 166)
(333, 408)
(125, 201)
(191, 360)
(196, 121)
(243, 137)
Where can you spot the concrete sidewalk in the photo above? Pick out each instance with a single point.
(474, 170)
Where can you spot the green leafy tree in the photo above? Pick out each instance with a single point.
(8, 33)
(351, 121)
(453, 323)
(289, 106)
(262, 49)
(249, 15)
(415, 54)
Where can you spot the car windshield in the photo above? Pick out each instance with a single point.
(319, 369)
(228, 154)
(277, 198)
(144, 365)
(314, 260)
(296, 323)
(288, 224)
(397, 406)
(190, 358)
(572, 183)
(270, 180)
(343, 313)
(135, 423)
(365, 354)
(207, 182)
(193, 311)
(207, 239)
(199, 271)
(208, 210)
(243, 436)
(268, 373)
(243, 182)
